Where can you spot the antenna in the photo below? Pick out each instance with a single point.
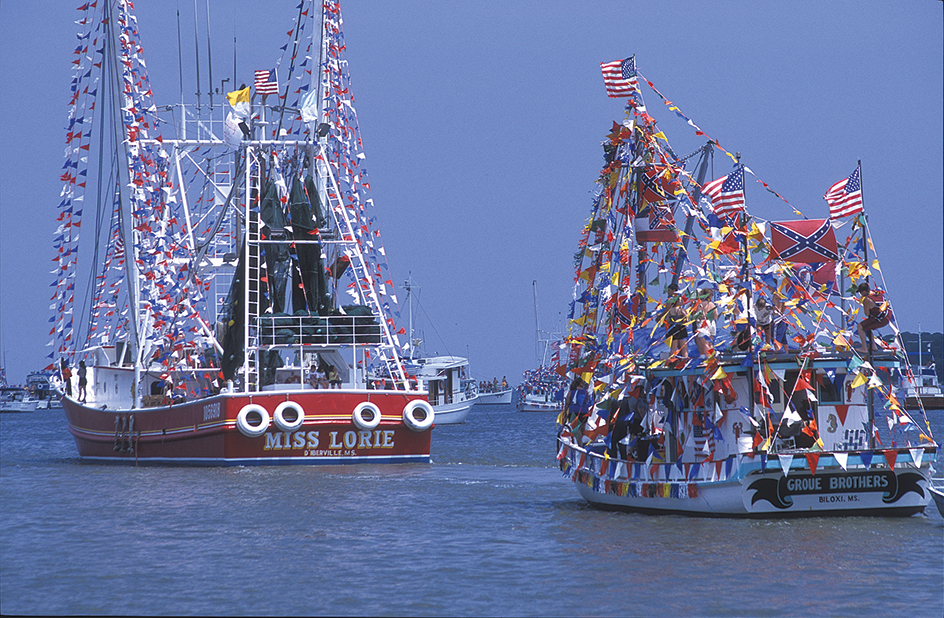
(209, 54)
(196, 45)
(408, 285)
(180, 64)
(537, 323)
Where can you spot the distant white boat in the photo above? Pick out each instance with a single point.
(927, 392)
(451, 391)
(17, 399)
(44, 386)
(540, 402)
(497, 397)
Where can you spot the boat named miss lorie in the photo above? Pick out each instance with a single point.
(238, 313)
(737, 392)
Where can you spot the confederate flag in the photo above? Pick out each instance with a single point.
(809, 241)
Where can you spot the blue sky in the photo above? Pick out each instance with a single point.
(482, 123)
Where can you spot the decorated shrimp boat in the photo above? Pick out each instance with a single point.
(237, 301)
(541, 390)
(710, 352)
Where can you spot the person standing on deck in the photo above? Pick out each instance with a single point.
(66, 374)
(675, 330)
(876, 313)
(83, 380)
(704, 317)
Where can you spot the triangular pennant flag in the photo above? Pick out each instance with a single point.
(785, 461)
(890, 456)
(812, 459)
(859, 380)
(866, 457)
(842, 459)
(841, 412)
(916, 454)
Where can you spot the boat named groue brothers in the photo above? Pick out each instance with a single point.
(710, 353)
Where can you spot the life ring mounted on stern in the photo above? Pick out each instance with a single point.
(366, 415)
(419, 415)
(282, 422)
(246, 427)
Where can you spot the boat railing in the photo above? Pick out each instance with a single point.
(592, 457)
(327, 331)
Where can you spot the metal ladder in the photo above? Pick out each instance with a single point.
(253, 294)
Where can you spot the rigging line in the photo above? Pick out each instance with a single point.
(441, 340)
(103, 191)
(867, 233)
(291, 66)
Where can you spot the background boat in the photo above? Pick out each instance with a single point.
(44, 387)
(451, 390)
(541, 390)
(17, 399)
(927, 392)
(495, 397)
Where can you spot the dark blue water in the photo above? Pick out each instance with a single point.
(490, 528)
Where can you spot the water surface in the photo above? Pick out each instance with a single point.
(489, 528)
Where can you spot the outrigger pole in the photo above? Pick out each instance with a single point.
(869, 338)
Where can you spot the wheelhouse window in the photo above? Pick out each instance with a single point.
(829, 387)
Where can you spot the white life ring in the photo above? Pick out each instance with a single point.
(426, 415)
(248, 429)
(279, 416)
(372, 411)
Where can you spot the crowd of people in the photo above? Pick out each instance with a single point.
(494, 386)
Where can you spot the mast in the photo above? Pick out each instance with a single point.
(125, 207)
(537, 323)
(408, 285)
(706, 155)
(869, 337)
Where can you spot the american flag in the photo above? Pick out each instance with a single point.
(267, 82)
(703, 439)
(845, 197)
(726, 193)
(619, 77)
